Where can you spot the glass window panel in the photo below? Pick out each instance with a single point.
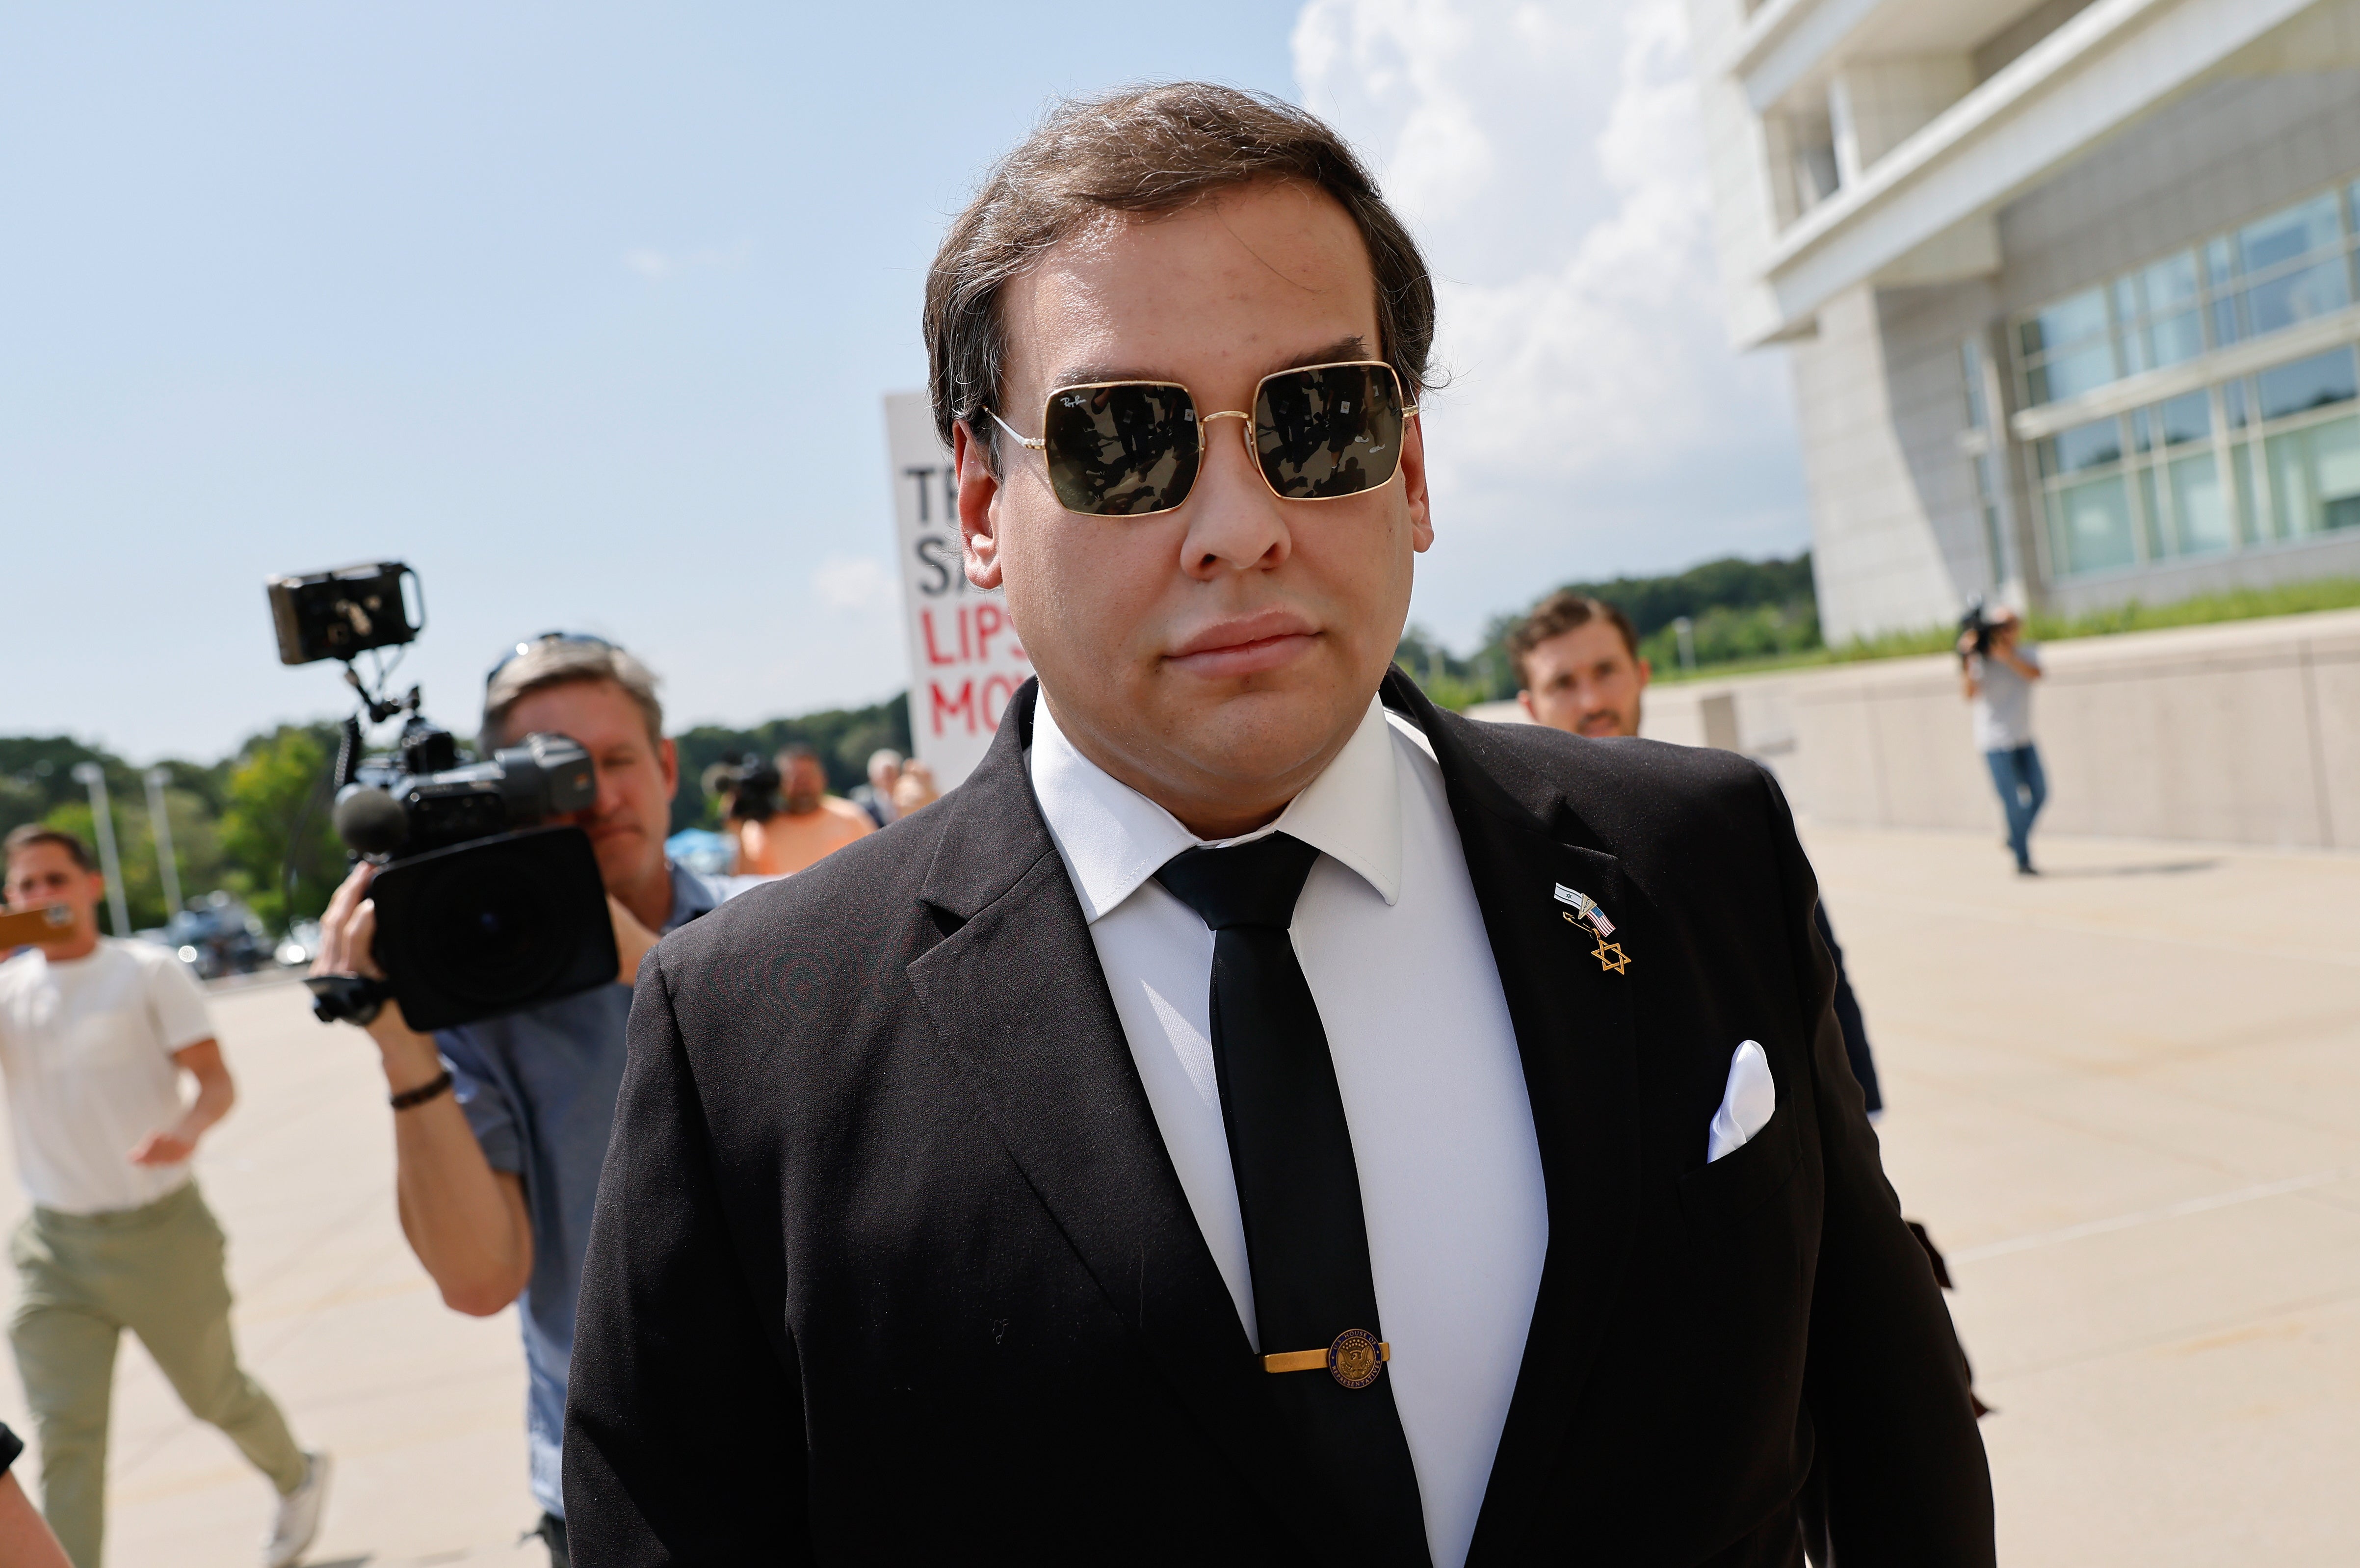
(2094, 525)
(2127, 299)
(2093, 445)
(2335, 463)
(1971, 361)
(2297, 297)
(2139, 438)
(2234, 395)
(2225, 328)
(2067, 321)
(2315, 478)
(2130, 351)
(2248, 491)
(2185, 418)
(2152, 515)
(2218, 264)
(2170, 282)
(2174, 338)
(2284, 236)
(2199, 513)
(2084, 370)
(2313, 383)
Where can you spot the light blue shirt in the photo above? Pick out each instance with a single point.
(538, 1088)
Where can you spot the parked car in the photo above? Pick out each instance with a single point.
(216, 936)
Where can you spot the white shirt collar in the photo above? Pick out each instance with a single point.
(1113, 838)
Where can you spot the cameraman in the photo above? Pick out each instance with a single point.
(808, 826)
(496, 1179)
(1996, 672)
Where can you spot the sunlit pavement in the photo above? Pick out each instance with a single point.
(2126, 1097)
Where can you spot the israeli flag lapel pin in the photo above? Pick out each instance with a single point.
(1584, 908)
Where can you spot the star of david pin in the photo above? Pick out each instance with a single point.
(1609, 955)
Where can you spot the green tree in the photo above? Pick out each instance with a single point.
(281, 847)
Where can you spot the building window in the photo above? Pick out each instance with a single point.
(2274, 273)
(2253, 460)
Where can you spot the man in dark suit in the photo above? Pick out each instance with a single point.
(1257, 1117)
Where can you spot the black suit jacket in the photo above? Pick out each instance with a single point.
(889, 1264)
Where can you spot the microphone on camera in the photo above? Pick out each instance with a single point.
(371, 820)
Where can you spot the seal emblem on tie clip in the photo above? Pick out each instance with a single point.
(1356, 1358)
(1610, 955)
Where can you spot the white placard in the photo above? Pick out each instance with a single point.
(965, 661)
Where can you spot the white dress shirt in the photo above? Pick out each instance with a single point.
(1392, 944)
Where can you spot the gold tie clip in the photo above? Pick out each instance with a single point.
(1353, 1360)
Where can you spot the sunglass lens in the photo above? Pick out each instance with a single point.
(1333, 429)
(1121, 451)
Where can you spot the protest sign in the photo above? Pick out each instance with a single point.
(965, 661)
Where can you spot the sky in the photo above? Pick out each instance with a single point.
(586, 312)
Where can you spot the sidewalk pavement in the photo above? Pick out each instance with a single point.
(2125, 1097)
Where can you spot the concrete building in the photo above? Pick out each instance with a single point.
(2068, 286)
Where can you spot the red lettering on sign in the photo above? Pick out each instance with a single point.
(989, 621)
(938, 705)
(934, 654)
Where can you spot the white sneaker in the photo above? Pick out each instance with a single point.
(298, 1524)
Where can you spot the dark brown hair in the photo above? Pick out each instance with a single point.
(1146, 150)
(24, 838)
(1559, 614)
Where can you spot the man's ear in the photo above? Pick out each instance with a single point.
(1525, 701)
(1646, 673)
(978, 506)
(668, 759)
(1413, 478)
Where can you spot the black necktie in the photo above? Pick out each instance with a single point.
(1298, 1188)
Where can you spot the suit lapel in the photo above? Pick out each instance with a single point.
(1017, 997)
(1576, 1032)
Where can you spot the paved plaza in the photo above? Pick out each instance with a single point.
(2125, 1098)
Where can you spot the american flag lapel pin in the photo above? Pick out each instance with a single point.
(1584, 909)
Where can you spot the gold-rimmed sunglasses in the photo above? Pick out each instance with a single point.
(1131, 449)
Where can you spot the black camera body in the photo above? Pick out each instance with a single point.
(483, 907)
(480, 909)
(1977, 623)
(751, 784)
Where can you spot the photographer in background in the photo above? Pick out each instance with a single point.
(809, 825)
(95, 1034)
(500, 1127)
(1996, 669)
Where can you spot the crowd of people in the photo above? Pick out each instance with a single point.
(1221, 1086)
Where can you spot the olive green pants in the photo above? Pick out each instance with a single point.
(82, 1279)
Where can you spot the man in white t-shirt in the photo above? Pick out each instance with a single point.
(95, 1034)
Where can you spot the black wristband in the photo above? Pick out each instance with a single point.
(422, 1093)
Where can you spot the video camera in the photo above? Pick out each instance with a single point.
(480, 909)
(750, 785)
(1980, 622)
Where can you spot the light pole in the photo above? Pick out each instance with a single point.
(156, 778)
(103, 817)
(1685, 630)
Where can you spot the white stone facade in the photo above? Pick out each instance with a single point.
(2064, 284)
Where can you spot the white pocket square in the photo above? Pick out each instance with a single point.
(1745, 1104)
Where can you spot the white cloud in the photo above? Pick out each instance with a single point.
(855, 583)
(1550, 158)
